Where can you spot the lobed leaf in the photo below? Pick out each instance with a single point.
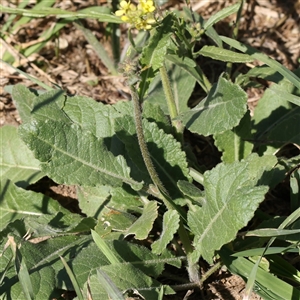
(171, 221)
(72, 156)
(143, 225)
(232, 196)
(166, 154)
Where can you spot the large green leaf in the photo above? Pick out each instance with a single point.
(38, 211)
(97, 118)
(89, 259)
(276, 120)
(24, 99)
(43, 264)
(221, 110)
(71, 156)
(153, 113)
(17, 162)
(168, 158)
(113, 208)
(47, 106)
(92, 200)
(232, 196)
(134, 280)
(235, 143)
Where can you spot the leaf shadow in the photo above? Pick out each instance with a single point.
(47, 101)
(168, 174)
(268, 124)
(203, 105)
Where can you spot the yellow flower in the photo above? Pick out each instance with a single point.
(125, 8)
(146, 6)
(140, 16)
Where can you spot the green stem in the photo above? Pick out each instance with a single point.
(197, 176)
(168, 92)
(204, 83)
(153, 174)
(115, 37)
(172, 107)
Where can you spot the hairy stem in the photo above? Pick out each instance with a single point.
(142, 143)
(153, 174)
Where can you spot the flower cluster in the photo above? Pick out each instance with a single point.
(140, 16)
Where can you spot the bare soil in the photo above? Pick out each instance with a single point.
(272, 26)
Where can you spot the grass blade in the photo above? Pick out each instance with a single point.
(104, 248)
(268, 283)
(111, 289)
(102, 54)
(22, 271)
(60, 13)
(31, 78)
(264, 58)
(73, 279)
(252, 277)
(215, 18)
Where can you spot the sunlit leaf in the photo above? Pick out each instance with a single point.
(232, 195)
(17, 162)
(74, 157)
(221, 110)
